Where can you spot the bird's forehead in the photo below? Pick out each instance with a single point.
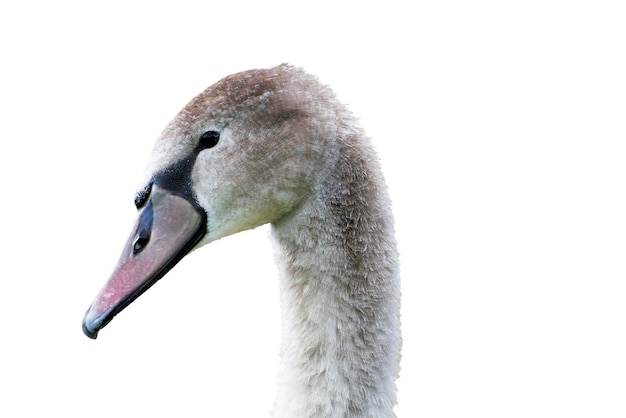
(234, 97)
(225, 100)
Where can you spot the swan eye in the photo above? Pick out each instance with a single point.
(209, 139)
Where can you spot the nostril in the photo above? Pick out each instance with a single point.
(139, 244)
(144, 228)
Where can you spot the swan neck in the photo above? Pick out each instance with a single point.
(339, 297)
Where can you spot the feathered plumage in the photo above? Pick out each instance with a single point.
(291, 155)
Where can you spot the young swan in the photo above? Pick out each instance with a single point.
(275, 146)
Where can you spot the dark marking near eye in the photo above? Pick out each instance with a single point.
(176, 179)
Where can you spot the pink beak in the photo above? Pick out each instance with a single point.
(168, 228)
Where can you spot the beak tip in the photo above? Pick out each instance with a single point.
(88, 332)
(91, 333)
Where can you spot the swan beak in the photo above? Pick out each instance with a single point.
(168, 227)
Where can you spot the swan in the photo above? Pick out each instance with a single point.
(276, 146)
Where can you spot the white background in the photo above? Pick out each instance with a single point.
(501, 130)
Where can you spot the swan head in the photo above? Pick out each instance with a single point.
(249, 150)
